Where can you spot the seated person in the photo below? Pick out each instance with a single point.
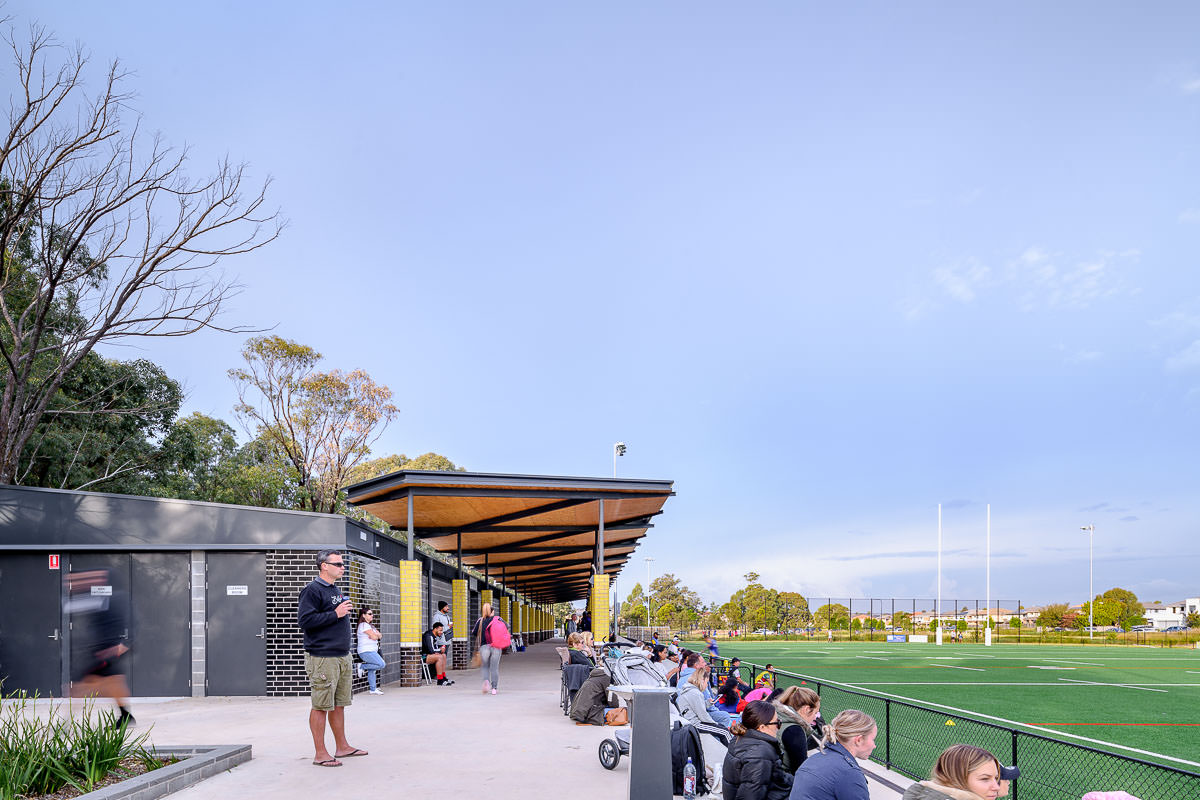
(576, 655)
(435, 655)
(735, 672)
(592, 700)
(661, 662)
(588, 645)
(729, 699)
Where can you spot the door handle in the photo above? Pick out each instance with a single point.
(262, 633)
(54, 635)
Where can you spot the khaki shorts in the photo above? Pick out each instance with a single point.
(330, 679)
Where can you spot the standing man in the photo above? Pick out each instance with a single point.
(572, 625)
(323, 613)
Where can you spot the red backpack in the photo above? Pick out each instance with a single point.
(498, 633)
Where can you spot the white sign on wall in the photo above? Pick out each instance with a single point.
(101, 591)
(237, 591)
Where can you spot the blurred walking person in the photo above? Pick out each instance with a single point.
(99, 631)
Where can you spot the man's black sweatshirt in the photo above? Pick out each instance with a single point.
(325, 633)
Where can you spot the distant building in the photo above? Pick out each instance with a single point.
(1164, 615)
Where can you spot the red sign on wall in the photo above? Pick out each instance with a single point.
(53, 561)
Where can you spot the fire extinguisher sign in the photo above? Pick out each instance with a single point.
(53, 561)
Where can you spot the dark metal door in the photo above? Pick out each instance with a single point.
(161, 664)
(237, 624)
(30, 619)
(113, 590)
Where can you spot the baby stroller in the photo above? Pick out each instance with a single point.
(685, 744)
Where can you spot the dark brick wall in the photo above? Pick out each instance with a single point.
(369, 583)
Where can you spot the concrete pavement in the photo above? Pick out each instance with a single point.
(431, 741)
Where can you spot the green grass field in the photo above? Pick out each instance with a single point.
(1143, 698)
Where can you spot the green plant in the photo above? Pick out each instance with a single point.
(41, 755)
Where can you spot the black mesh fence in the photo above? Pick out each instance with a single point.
(911, 737)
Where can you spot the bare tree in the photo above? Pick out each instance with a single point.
(103, 236)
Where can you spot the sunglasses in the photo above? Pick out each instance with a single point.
(336, 563)
(774, 722)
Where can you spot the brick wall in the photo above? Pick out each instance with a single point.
(288, 571)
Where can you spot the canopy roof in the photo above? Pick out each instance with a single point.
(536, 534)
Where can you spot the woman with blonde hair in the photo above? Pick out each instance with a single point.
(799, 731)
(489, 656)
(693, 706)
(577, 656)
(833, 773)
(962, 772)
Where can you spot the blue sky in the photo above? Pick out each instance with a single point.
(824, 266)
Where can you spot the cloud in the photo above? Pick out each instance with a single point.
(961, 282)
(1190, 86)
(897, 554)
(1034, 279)
(1129, 519)
(1191, 216)
(1085, 356)
(1097, 507)
(1186, 359)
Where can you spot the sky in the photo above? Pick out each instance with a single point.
(825, 266)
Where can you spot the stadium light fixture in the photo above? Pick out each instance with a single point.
(618, 450)
(1091, 531)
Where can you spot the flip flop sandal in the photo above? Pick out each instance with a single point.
(353, 753)
(329, 762)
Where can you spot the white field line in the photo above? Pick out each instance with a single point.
(1065, 661)
(952, 666)
(873, 658)
(946, 658)
(1011, 683)
(1113, 685)
(1063, 734)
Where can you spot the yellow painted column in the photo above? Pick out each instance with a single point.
(599, 604)
(461, 654)
(410, 623)
(518, 616)
(505, 610)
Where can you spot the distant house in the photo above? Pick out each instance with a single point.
(1164, 615)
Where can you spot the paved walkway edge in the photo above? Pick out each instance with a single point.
(196, 763)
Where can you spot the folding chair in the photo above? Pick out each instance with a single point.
(426, 673)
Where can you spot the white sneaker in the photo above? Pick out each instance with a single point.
(493, 691)
(359, 669)
(375, 691)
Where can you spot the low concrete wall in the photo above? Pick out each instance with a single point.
(196, 764)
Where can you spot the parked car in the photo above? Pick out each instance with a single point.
(1175, 628)
(1142, 628)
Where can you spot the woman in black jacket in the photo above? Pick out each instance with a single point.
(753, 769)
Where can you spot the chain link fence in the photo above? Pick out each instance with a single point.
(911, 737)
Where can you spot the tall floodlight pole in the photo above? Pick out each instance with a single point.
(937, 609)
(648, 560)
(987, 632)
(618, 450)
(1091, 530)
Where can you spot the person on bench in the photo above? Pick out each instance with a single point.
(577, 656)
(434, 655)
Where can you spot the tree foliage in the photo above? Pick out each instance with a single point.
(324, 423)
(1118, 607)
(1051, 615)
(832, 616)
(101, 428)
(103, 236)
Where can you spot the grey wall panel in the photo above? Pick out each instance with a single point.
(50, 518)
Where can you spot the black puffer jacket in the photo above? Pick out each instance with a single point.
(753, 769)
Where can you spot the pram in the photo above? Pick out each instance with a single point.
(684, 742)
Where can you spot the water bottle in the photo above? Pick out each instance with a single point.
(689, 780)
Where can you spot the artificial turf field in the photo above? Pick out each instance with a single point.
(1139, 697)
